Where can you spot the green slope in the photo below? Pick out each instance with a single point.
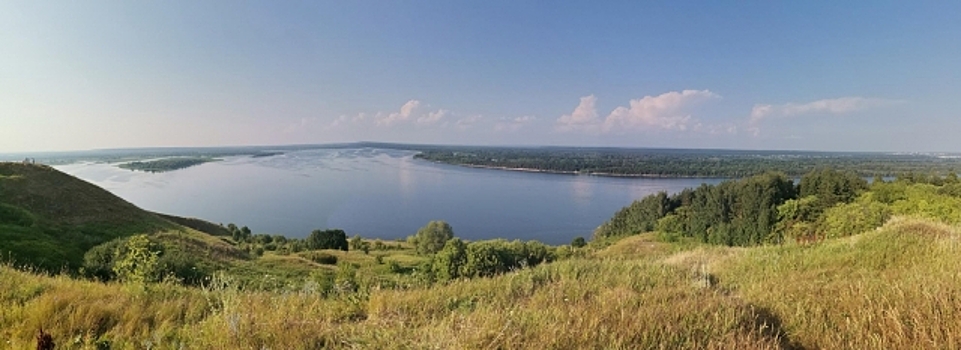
(49, 219)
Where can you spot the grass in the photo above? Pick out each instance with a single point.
(897, 287)
(49, 219)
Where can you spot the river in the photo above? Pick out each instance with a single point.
(379, 193)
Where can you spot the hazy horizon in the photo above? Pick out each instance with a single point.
(844, 77)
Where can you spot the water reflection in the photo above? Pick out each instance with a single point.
(582, 190)
(406, 176)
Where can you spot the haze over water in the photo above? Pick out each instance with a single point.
(378, 194)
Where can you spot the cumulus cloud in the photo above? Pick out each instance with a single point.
(584, 116)
(841, 105)
(661, 112)
(657, 112)
(433, 117)
(403, 115)
(513, 124)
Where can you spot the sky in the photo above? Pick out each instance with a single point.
(798, 75)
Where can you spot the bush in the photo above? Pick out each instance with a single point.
(327, 239)
(450, 261)
(853, 218)
(578, 242)
(323, 258)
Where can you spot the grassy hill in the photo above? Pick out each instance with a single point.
(49, 220)
(896, 287)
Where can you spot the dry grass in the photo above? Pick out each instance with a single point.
(898, 287)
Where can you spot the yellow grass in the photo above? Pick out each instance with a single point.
(898, 287)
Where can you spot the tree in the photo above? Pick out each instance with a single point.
(431, 239)
(831, 187)
(449, 262)
(578, 242)
(245, 233)
(327, 239)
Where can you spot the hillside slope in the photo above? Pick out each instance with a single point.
(49, 219)
(897, 287)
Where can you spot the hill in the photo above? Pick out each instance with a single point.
(895, 287)
(49, 220)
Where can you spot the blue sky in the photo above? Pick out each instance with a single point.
(809, 75)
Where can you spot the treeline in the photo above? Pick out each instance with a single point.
(689, 163)
(735, 212)
(769, 208)
(166, 164)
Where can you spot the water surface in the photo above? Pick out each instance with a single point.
(378, 193)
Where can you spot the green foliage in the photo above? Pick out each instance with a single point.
(98, 262)
(853, 218)
(137, 261)
(323, 258)
(685, 163)
(831, 187)
(327, 239)
(928, 201)
(493, 257)
(359, 244)
(49, 219)
(450, 262)
(741, 212)
(671, 227)
(578, 242)
(431, 239)
(639, 217)
(485, 259)
(735, 212)
(796, 218)
(346, 280)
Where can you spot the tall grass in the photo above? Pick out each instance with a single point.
(897, 287)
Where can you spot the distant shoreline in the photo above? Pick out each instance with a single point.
(574, 173)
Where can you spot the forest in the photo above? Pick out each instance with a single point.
(687, 163)
(770, 209)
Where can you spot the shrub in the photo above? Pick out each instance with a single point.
(853, 218)
(327, 239)
(323, 258)
(430, 239)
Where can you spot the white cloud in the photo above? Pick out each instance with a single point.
(433, 117)
(841, 105)
(403, 115)
(657, 112)
(513, 124)
(584, 116)
(662, 112)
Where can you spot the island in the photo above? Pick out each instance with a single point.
(166, 164)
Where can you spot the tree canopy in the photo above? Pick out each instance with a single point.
(328, 239)
(431, 238)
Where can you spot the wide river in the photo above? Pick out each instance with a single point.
(378, 193)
